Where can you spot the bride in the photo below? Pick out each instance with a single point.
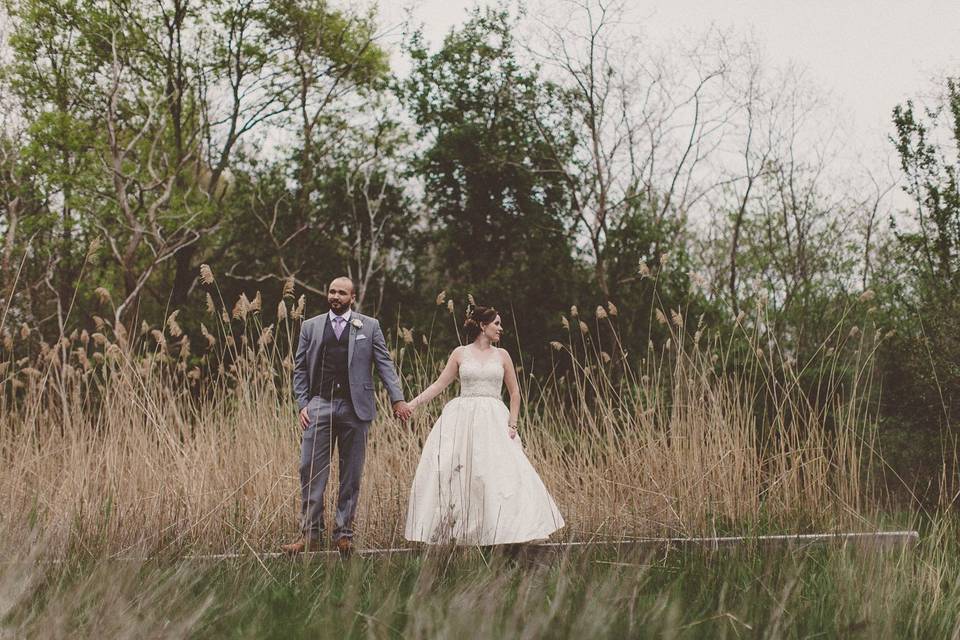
(474, 484)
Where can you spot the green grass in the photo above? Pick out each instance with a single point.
(823, 592)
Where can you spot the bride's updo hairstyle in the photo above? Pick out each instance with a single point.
(476, 317)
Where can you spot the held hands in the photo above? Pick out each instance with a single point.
(402, 410)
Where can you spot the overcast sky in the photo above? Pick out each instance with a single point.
(868, 55)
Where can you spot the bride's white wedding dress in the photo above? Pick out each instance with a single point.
(474, 484)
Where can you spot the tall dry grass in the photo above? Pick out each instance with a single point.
(128, 442)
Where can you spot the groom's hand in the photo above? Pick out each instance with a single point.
(402, 410)
(304, 419)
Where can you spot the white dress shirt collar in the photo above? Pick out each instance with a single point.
(345, 316)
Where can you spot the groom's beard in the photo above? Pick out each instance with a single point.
(337, 307)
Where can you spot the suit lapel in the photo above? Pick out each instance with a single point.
(353, 338)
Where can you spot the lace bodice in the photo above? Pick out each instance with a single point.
(480, 376)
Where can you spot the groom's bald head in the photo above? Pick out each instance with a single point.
(341, 294)
(343, 282)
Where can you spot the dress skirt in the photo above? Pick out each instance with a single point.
(474, 484)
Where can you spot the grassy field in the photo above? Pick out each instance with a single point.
(119, 445)
(748, 593)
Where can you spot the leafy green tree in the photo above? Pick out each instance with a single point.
(931, 181)
(333, 62)
(358, 223)
(138, 116)
(496, 202)
(49, 81)
(301, 220)
(922, 280)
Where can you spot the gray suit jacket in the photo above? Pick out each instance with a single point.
(366, 348)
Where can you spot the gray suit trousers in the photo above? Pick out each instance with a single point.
(332, 423)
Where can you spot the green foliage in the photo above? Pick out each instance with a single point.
(930, 167)
(919, 287)
(327, 37)
(129, 142)
(497, 204)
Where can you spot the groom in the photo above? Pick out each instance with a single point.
(333, 385)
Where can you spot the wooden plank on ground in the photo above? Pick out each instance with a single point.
(882, 539)
(873, 539)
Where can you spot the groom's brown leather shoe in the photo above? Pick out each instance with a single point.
(301, 545)
(345, 547)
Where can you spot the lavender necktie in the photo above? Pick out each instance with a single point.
(338, 326)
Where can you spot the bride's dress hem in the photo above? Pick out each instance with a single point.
(465, 543)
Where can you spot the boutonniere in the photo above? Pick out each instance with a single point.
(357, 323)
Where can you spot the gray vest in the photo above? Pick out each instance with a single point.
(331, 376)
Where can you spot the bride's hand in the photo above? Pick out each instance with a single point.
(512, 431)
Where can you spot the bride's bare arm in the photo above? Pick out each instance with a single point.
(513, 387)
(448, 375)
